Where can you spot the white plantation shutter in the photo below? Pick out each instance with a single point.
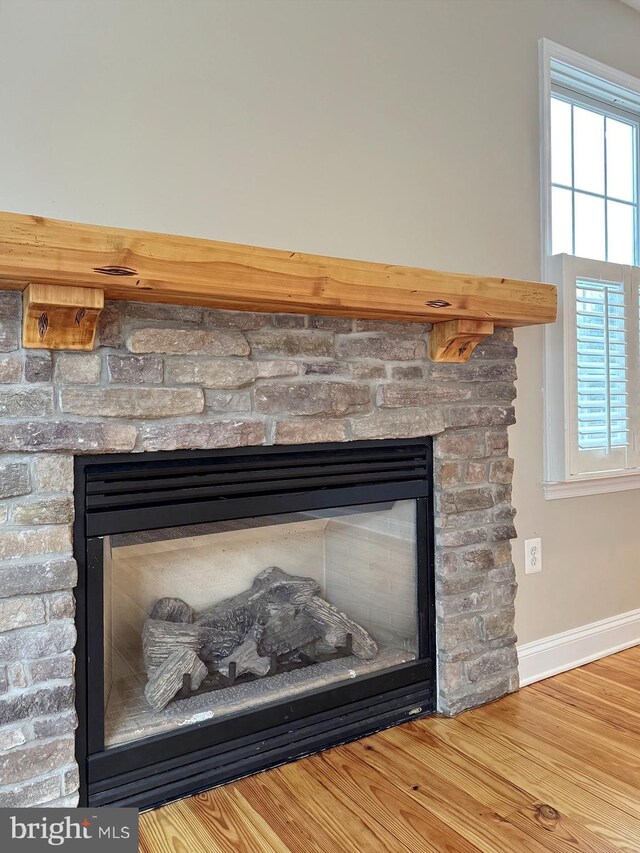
(601, 363)
(601, 327)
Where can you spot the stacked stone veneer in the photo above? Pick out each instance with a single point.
(164, 378)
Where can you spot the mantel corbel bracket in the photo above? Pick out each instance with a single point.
(60, 317)
(455, 340)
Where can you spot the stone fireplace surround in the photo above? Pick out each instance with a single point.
(166, 378)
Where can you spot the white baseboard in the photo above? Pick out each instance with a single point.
(544, 658)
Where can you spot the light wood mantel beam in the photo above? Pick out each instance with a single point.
(144, 266)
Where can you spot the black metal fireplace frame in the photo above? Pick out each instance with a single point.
(148, 491)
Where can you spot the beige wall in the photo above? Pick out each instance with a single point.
(395, 131)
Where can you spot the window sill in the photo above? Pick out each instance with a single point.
(597, 485)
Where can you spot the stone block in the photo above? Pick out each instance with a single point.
(504, 594)
(78, 368)
(46, 511)
(21, 612)
(478, 559)
(29, 794)
(451, 676)
(184, 314)
(453, 633)
(503, 392)
(405, 372)
(309, 431)
(326, 368)
(398, 424)
(460, 445)
(391, 327)
(289, 321)
(50, 669)
(222, 342)
(492, 663)
(132, 402)
(11, 737)
(332, 324)
(60, 605)
(15, 480)
(474, 696)
(475, 473)
(279, 367)
(40, 702)
(17, 675)
(210, 373)
(39, 641)
(22, 402)
(458, 583)
(36, 759)
(498, 624)
(447, 473)
(394, 395)
(368, 370)
(31, 541)
(67, 436)
(9, 321)
(246, 321)
(474, 371)
(503, 531)
(471, 416)
(53, 472)
(38, 366)
(501, 471)
(203, 435)
(474, 601)
(10, 369)
(333, 399)
(61, 724)
(110, 332)
(465, 499)
(291, 343)
(71, 780)
(19, 577)
(497, 441)
(383, 347)
(227, 401)
(460, 538)
(135, 369)
(495, 349)
(4, 679)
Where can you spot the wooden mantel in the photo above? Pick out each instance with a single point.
(66, 270)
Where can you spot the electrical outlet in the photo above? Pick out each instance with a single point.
(532, 556)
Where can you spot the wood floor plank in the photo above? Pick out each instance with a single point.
(469, 817)
(555, 768)
(348, 778)
(216, 822)
(308, 817)
(557, 832)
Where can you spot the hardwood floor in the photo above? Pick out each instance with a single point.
(555, 767)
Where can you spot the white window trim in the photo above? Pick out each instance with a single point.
(556, 383)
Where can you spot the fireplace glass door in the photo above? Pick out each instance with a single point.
(210, 620)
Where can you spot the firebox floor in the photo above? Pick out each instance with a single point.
(128, 717)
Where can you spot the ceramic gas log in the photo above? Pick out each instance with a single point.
(279, 623)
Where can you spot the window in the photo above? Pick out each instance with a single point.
(594, 198)
(591, 240)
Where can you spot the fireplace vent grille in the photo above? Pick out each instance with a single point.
(135, 483)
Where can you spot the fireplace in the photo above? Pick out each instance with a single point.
(239, 609)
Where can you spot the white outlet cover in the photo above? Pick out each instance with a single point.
(532, 556)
